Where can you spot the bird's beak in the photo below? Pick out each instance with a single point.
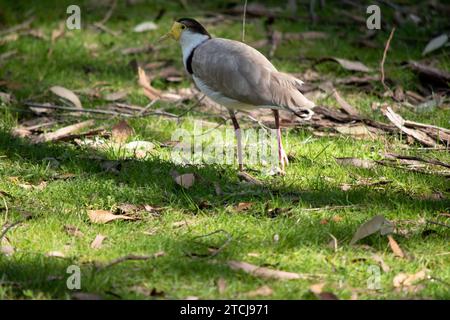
(174, 33)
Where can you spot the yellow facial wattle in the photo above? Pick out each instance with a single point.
(175, 32)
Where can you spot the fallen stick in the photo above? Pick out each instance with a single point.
(430, 161)
(62, 132)
(414, 124)
(99, 111)
(386, 48)
(12, 225)
(39, 105)
(399, 122)
(130, 257)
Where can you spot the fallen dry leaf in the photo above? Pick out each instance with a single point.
(244, 206)
(62, 133)
(149, 91)
(185, 180)
(147, 292)
(55, 254)
(180, 224)
(307, 35)
(6, 248)
(98, 241)
(262, 272)
(145, 26)
(348, 64)
(406, 280)
(73, 231)
(140, 149)
(221, 285)
(121, 131)
(349, 109)
(317, 290)
(68, 95)
(85, 296)
(105, 216)
(435, 43)
(381, 262)
(377, 223)
(398, 252)
(264, 291)
(355, 162)
(116, 96)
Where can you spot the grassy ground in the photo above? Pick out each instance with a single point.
(82, 58)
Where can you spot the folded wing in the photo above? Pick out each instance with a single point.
(244, 74)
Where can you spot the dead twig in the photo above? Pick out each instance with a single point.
(220, 249)
(99, 111)
(109, 13)
(438, 223)
(386, 48)
(243, 21)
(130, 257)
(9, 227)
(415, 158)
(62, 132)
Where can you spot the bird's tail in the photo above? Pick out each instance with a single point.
(291, 98)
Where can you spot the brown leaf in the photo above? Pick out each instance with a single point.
(55, 254)
(105, 216)
(121, 131)
(68, 95)
(85, 296)
(185, 180)
(73, 231)
(262, 272)
(244, 176)
(398, 252)
(115, 96)
(98, 241)
(180, 224)
(149, 91)
(381, 262)
(433, 75)
(58, 32)
(358, 131)
(349, 109)
(244, 206)
(221, 285)
(377, 223)
(62, 132)
(264, 291)
(307, 35)
(147, 292)
(317, 290)
(359, 163)
(399, 122)
(136, 50)
(348, 64)
(6, 248)
(406, 280)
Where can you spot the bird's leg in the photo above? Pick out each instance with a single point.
(237, 131)
(282, 156)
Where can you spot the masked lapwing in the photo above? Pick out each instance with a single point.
(238, 77)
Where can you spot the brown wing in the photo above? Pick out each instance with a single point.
(242, 73)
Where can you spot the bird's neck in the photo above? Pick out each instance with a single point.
(189, 41)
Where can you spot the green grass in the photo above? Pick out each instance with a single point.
(313, 178)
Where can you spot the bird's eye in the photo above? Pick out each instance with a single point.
(183, 27)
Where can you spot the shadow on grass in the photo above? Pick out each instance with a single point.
(48, 275)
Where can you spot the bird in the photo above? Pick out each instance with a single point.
(238, 77)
